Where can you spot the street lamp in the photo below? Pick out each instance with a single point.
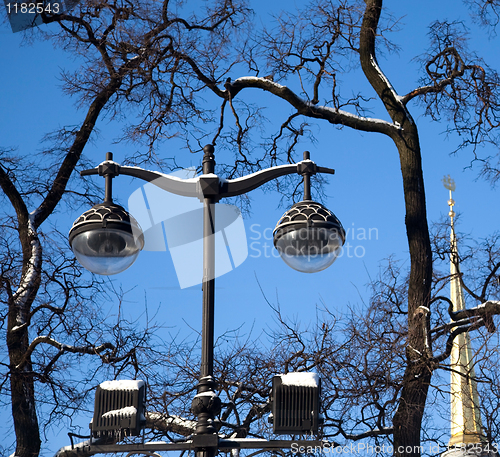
(107, 240)
(103, 239)
(308, 236)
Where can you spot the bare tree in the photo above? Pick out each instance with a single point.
(454, 84)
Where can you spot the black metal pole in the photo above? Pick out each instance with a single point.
(206, 404)
(207, 344)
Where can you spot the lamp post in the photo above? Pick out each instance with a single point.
(106, 240)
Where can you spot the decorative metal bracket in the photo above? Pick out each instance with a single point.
(208, 185)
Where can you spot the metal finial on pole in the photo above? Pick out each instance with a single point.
(208, 159)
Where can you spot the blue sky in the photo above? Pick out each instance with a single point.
(365, 194)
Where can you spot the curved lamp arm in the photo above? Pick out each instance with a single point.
(185, 187)
(207, 184)
(239, 186)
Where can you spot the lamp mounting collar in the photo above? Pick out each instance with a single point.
(307, 168)
(109, 170)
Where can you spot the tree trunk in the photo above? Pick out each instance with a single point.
(22, 384)
(23, 394)
(408, 418)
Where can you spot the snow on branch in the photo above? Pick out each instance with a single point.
(486, 308)
(306, 108)
(31, 274)
(167, 423)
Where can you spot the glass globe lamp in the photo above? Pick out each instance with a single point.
(106, 239)
(309, 237)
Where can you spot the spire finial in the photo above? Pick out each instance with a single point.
(466, 427)
(449, 183)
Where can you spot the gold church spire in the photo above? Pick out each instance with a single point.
(466, 426)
